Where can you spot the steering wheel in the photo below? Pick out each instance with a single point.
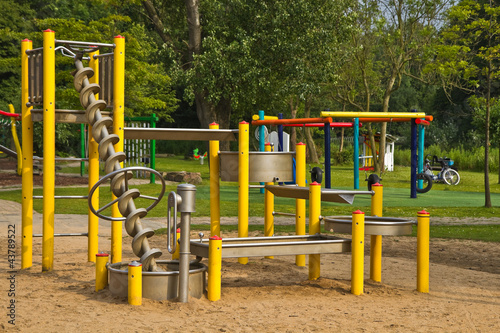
(125, 171)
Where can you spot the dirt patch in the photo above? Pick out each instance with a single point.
(9, 177)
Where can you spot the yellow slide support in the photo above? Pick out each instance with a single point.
(16, 141)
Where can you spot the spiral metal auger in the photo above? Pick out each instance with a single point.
(107, 153)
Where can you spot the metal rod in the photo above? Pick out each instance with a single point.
(97, 56)
(284, 214)
(37, 50)
(68, 159)
(71, 42)
(184, 252)
(65, 235)
(63, 197)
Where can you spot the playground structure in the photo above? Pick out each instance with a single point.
(14, 117)
(109, 147)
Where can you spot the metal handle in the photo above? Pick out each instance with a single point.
(173, 201)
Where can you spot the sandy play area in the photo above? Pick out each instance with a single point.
(266, 295)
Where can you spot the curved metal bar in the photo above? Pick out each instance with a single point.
(111, 175)
(172, 204)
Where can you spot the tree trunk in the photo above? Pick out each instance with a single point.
(293, 114)
(312, 155)
(341, 139)
(487, 196)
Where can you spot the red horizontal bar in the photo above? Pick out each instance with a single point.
(422, 122)
(291, 121)
(8, 114)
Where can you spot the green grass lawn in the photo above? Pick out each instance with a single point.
(461, 201)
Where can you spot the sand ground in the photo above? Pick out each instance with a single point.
(266, 295)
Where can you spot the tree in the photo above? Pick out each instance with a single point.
(470, 52)
(392, 40)
(242, 56)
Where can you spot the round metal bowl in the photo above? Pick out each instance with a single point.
(374, 225)
(158, 285)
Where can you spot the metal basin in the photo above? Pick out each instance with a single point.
(374, 225)
(263, 166)
(274, 246)
(158, 285)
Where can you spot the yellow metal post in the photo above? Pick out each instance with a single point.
(49, 147)
(423, 231)
(358, 252)
(175, 255)
(118, 128)
(93, 220)
(101, 271)
(27, 162)
(300, 204)
(214, 268)
(314, 226)
(243, 183)
(214, 184)
(376, 240)
(135, 283)
(268, 207)
(16, 141)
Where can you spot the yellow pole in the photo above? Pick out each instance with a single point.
(314, 226)
(243, 183)
(27, 163)
(376, 240)
(135, 283)
(101, 271)
(423, 231)
(175, 255)
(300, 204)
(358, 252)
(342, 114)
(214, 268)
(49, 147)
(214, 184)
(93, 220)
(16, 141)
(268, 207)
(118, 125)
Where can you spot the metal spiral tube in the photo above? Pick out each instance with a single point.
(126, 206)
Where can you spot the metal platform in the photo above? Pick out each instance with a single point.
(274, 246)
(374, 225)
(189, 134)
(264, 166)
(329, 195)
(66, 116)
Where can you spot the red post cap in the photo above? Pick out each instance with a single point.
(267, 144)
(178, 229)
(358, 212)
(26, 40)
(48, 30)
(300, 144)
(423, 212)
(102, 254)
(214, 123)
(243, 122)
(119, 36)
(315, 183)
(215, 238)
(135, 264)
(377, 184)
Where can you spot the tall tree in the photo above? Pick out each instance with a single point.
(242, 56)
(392, 39)
(470, 51)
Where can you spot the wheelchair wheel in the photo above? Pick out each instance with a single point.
(373, 179)
(451, 177)
(427, 182)
(316, 175)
